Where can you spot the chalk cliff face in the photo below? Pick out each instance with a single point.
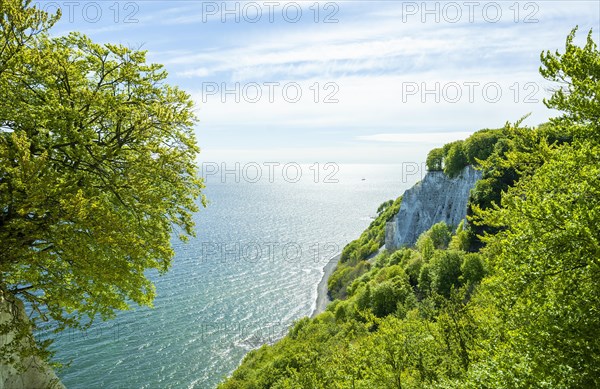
(35, 373)
(437, 198)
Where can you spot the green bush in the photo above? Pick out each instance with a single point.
(445, 272)
(359, 250)
(455, 160)
(472, 269)
(363, 297)
(425, 279)
(413, 269)
(384, 206)
(425, 246)
(480, 145)
(386, 296)
(461, 240)
(398, 256)
(435, 160)
(440, 234)
(341, 279)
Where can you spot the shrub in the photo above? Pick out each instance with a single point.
(445, 272)
(435, 159)
(440, 234)
(456, 160)
(480, 145)
(384, 206)
(461, 241)
(386, 296)
(472, 269)
(425, 279)
(425, 246)
(413, 269)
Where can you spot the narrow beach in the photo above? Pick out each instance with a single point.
(322, 296)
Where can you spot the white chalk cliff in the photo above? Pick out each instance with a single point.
(437, 198)
(34, 373)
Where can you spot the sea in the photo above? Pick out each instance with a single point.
(248, 275)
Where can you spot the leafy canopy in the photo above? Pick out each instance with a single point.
(435, 159)
(455, 159)
(577, 71)
(97, 170)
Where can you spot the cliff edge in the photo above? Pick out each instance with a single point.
(34, 373)
(435, 199)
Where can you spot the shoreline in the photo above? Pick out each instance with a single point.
(322, 296)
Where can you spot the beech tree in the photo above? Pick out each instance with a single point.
(480, 145)
(546, 255)
(577, 72)
(97, 171)
(435, 160)
(455, 159)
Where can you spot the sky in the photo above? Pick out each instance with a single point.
(342, 81)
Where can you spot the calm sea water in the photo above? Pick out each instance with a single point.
(250, 273)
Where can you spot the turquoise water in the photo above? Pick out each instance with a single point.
(250, 273)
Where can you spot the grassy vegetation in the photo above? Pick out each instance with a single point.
(354, 259)
(400, 310)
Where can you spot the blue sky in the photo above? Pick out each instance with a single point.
(349, 81)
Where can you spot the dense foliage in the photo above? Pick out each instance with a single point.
(455, 158)
(435, 160)
(97, 169)
(520, 312)
(354, 260)
(396, 327)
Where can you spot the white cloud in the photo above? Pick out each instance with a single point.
(341, 51)
(420, 137)
(370, 58)
(198, 72)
